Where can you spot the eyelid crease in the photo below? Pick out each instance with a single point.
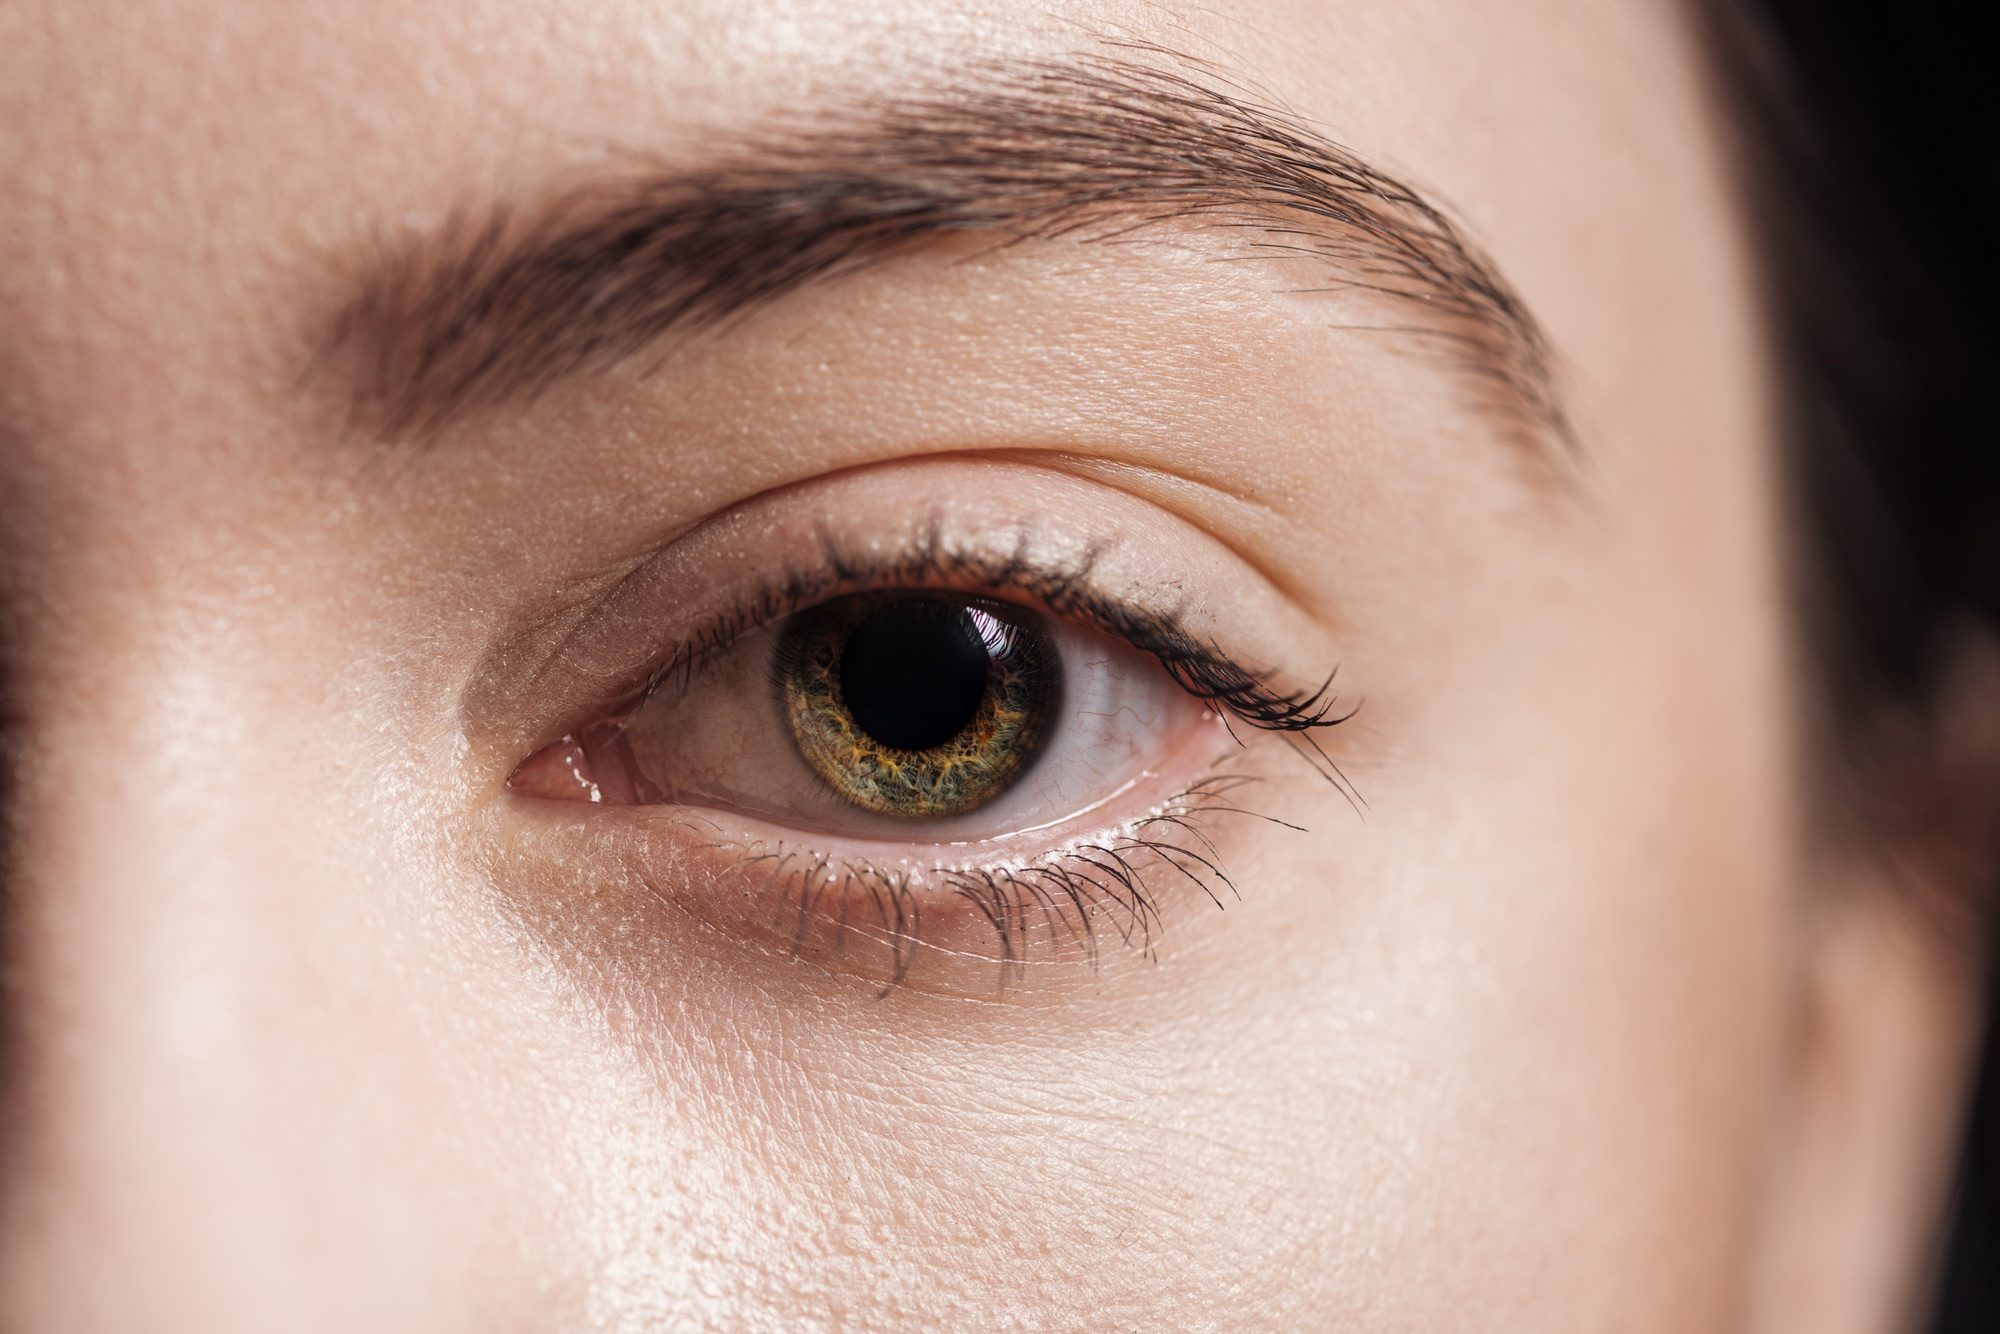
(1113, 473)
(1056, 460)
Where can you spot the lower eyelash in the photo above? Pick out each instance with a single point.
(1061, 904)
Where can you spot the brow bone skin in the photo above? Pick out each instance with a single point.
(501, 309)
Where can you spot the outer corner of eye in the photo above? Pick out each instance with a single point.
(559, 771)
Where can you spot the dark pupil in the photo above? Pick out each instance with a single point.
(913, 673)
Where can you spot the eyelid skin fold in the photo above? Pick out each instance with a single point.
(1065, 545)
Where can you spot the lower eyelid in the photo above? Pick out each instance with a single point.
(947, 916)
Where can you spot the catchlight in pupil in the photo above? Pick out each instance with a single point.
(913, 672)
(918, 704)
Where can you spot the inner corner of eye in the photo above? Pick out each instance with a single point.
(559, 771)
(595, 763)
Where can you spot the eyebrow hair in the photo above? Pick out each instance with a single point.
(482, 313)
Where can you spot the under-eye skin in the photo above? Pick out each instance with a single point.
(879, 748)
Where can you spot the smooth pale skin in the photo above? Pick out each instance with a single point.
(1585, 1026)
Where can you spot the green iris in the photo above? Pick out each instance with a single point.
(921, 704)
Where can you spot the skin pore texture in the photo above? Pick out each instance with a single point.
(1555, 1012)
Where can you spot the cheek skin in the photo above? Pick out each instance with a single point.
(265, 1043)
(1528, 1009)
(304, 1042)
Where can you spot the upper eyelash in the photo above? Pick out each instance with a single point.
(1200, 667)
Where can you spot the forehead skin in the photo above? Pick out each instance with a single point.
(1490, 1058)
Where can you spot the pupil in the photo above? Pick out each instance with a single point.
(913, 673)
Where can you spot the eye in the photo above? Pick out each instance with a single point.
(972, 750)
(889, 715)
(918, 705)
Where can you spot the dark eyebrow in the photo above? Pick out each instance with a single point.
(486, 312)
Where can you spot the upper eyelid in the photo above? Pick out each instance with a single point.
(1103, 556)
(1201, 668)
